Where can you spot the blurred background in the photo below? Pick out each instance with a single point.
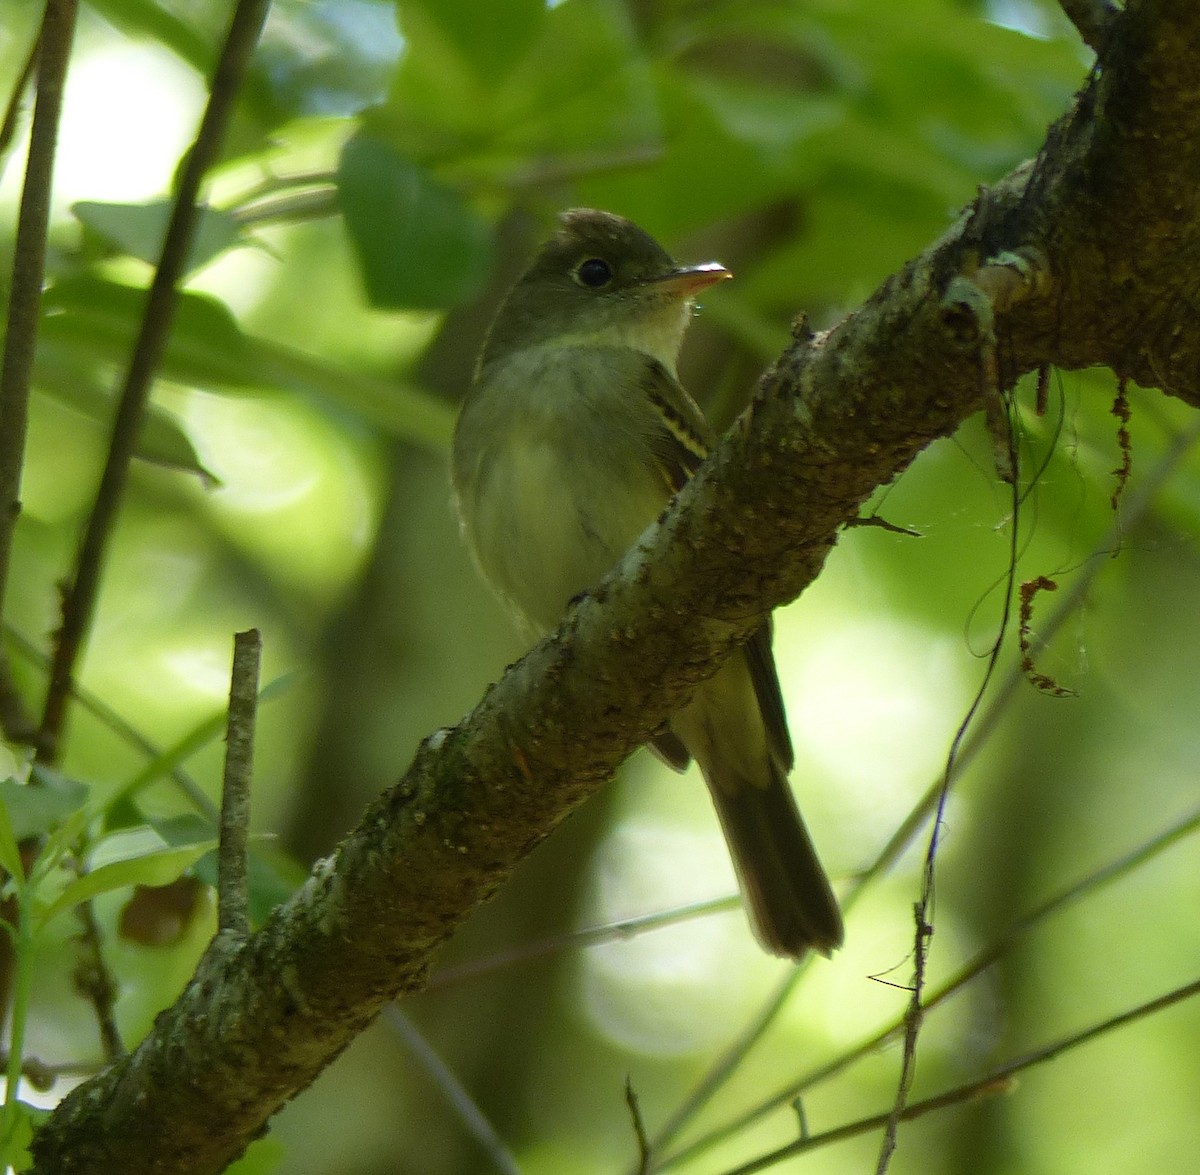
(391, 167)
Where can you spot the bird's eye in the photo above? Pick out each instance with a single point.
(593, 273)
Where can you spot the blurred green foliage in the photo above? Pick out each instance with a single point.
(390, 167)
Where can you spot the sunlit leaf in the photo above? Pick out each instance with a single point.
(138, 229)
(10, 854)
(490, 36)
(157, 868)
(37, 807)
(162, 439)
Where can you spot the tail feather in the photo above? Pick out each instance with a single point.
(744, 760)
(791, 905)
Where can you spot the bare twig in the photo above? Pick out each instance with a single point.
(123, 729)
(923, 909)
(1105, 875)
(998, 1080)
(80, 596)
(456, 1095)
(543, 948)
(295, 204)
(95, 982)
(43, 1076)
(16, 99)
(1069, 602)
(24, 309)
(233, 898)
(639, 1127)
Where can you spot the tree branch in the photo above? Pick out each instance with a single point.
(233, 889)
(50, 54)
(1112, 205)
(79, 598)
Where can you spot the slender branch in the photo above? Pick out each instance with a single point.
(291, 205)
(233, 895)
(43, 1076)
(473, 969)
(124, 730)
(1095, 881)
(837, 416)
(12, 112)
(998, 1080)
(639, 1127)
(465, 1108)
(1069, 602)
(24, 309)
(914, 1018)
(95, 982)
(79, 599)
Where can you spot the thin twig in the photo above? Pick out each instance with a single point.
(24, 310)
(290, 206)
(233, 895)
(543, 948)
(923, 909)
(992, 953)
(455, 1093)
(1069, 601)
(95, 982)
(639, 1126)
(122, 728)
(43, 1076)
(998, 1080)
(79, 599)
(16, 99)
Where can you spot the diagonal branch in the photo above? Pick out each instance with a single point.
(50, 55)
(1111, 205)
(79, 597)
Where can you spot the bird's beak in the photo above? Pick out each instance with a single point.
(688, 280)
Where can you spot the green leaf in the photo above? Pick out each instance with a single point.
(586, 88)
(102, 318)
(89, 320)
(153, 19)
(420, 245)
(25, 1121)
(39, 806)
(263, 1157)
(62, 375)
(490, 37)
(138, 229)
(187, 829)
(158, 868)
(10, 854)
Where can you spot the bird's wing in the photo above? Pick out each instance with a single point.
(679, 448)
(684, 439)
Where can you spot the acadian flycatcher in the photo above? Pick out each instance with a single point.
(573, 437)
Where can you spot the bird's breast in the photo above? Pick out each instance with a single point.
(564, 482)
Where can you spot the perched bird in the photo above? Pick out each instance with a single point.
(574, 435)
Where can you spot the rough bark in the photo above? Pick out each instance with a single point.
(1108, 215)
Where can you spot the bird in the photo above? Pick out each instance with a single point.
(573, 436)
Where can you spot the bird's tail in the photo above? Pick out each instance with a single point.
(790, 902)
